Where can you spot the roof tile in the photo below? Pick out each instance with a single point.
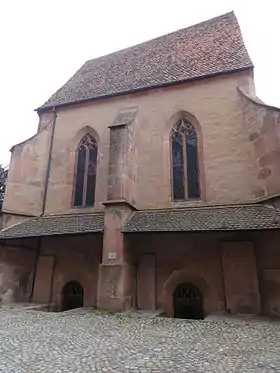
(55, 225)
(208, 48)
(224, 218)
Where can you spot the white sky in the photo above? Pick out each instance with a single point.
(44, 42)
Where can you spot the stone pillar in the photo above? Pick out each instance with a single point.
(116, 285)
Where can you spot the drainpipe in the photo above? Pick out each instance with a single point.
(46, 184)
(136, 284)
(52, 280)
(35, 268)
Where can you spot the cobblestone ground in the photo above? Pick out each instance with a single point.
(82, 341)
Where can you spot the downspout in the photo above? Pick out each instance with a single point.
(227, 310)
(46, 184)
(35, 268)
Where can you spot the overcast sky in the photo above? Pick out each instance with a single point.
(44, 42)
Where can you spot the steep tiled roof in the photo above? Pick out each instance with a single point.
(224, 218)
(55, 225)
(206, 49)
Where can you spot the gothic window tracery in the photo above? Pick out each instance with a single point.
(185, 169)
(86, 163)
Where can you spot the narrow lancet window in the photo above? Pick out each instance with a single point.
(86, 161)
(185, 171)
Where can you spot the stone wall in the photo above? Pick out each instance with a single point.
(263, 124)
(17, 266)
(237, 273)
(68, 258)
(227, 161)
(27, 172)
(268, 258)
(181, 258)
(12, 219)
(240, 277)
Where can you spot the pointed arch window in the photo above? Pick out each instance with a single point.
(185, 170)
(86, 162)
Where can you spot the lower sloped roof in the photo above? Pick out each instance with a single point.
(188, 219)
(55, 225)
(222, 218)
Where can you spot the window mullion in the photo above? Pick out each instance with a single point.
(85, 177)
(185, 166)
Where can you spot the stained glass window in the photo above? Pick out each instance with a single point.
(185, 172)
(85, 172)
(178, 167)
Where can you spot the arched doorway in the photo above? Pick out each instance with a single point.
(72, 295)
(188, 302)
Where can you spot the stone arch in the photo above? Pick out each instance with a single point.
(72, 295)
(73, 146)
(84, 185)
(82, 133)
(89, 292)
(210, 298)
(175, 117)
(191, 118)
(188, 301)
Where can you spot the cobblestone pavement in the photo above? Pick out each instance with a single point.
(83, 341)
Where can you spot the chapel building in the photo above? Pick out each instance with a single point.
(152, 183)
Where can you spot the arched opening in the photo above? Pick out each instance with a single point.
(72, 295)
(86, 166)
(188, 302)
(185, 167)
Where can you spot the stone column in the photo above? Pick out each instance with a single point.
(116, 273)
(116, 285)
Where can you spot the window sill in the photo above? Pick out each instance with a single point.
(85, 209)
(188, 203)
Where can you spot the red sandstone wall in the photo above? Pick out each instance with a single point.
(183, 258)
(11, 219)
(234, 271)
(263, 125)
(268, 259)
(16, 272)
(227, 162)
(75, 258)
(27, 170)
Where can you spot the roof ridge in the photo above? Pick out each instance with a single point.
(71, 215)
(231, 13)
(249, 204)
